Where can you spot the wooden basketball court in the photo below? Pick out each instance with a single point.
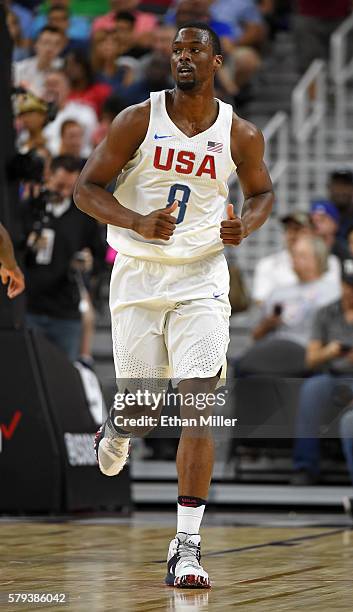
(106, 565)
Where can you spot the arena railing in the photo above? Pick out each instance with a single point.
(341, 70)
(276, 134)
(309, 132)
(268, 238)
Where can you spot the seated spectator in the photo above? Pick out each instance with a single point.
(78, 27)
(340, 194)
(59, 17)
(322, 397)
(82, 86)
(21, 45)
(111, 108)
(57, 244)
(71, 138)
(314, 22)
(325, 219)
(276, 270)
(57, 90)
(144, 24)
(104, 61)
(157, 77)
(288, 311)
(32, 114)
(30, 73)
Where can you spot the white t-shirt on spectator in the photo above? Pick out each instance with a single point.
(27, 74)
(84, 115)
(300, 302)
(276, 270)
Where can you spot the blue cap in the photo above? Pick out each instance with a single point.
(325, 208)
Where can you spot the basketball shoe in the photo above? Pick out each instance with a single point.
(183, 563)
(112, 450)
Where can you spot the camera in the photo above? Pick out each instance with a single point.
(277, 310)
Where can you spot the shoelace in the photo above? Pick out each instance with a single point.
(189, 553)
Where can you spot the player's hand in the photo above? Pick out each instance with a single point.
(15, 279)
(333, 350)
(159, 224)
(232, 230)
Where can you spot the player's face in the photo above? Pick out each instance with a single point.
(193, 61)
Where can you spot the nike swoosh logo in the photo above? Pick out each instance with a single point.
(157, 137)
(217, 295)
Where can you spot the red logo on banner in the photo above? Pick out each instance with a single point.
(9, 430)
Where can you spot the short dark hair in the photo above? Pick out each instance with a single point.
(344, 176)
(59, 7)
(49, 29)
(199, 25)
(66, 123)
(67, 162)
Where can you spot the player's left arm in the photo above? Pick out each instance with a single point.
(247, 147)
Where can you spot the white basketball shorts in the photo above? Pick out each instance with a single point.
(169, 321)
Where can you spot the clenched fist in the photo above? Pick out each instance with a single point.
(158, 224)
(232, 230)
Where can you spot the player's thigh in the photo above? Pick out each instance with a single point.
(138, 343)
(197, 337)
(138, 314)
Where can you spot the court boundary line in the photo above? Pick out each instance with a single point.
(285, 542)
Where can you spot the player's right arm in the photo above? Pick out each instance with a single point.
(124, 137)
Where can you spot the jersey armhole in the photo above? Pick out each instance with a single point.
(153, 104)
(229, 142)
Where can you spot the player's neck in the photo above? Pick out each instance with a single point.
(193, 105)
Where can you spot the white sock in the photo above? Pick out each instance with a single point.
(189, 519)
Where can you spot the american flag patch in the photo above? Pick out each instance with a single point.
(215, 147)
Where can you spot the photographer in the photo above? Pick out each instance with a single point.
(330, 391)
(63, 246)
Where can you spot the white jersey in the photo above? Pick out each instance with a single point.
(171, 166)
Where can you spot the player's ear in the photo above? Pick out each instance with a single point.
(217, 62)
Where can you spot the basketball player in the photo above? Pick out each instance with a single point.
(173, 156)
